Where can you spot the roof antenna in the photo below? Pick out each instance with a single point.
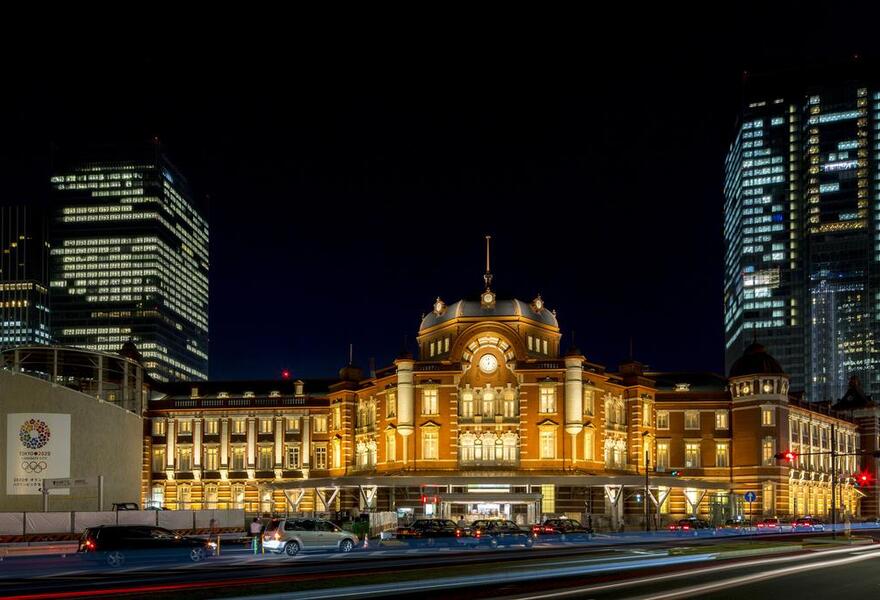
(488, 276)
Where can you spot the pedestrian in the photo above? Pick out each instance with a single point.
(461, 522)
(256, 529)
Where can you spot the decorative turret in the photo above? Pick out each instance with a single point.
(756, 373)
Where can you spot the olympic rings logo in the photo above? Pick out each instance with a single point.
(34, 466)
(34, 434)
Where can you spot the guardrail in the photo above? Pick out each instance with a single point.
(28, 524)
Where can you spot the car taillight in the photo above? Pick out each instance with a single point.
(672, 528)
(686, 527)
(89, 544)
(760, 525)
(277, 536)
(458, 533)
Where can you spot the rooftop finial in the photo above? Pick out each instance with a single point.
(351, 354)
(488, 276)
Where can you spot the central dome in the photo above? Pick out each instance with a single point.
(755, 361)
(501, 308)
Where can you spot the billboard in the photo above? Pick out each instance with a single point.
(37, 448)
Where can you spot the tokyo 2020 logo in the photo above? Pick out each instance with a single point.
(34, 434)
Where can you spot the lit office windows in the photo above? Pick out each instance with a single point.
(722, 454)
(547, 397)
(430, 439)
(691, 454)
(548, 444)
(429, 401)
(691, 419)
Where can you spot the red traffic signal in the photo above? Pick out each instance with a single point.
(285, 374)
(788, 455)
(862, 478)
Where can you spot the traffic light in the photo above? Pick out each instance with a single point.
(862, 479)
(788, 455)
(675, 473)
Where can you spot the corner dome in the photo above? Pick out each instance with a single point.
(502, 308)
(755, 361)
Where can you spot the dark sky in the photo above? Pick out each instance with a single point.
(352, 178)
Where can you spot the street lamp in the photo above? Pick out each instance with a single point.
(645, 440)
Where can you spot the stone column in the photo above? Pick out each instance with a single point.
(405, 402)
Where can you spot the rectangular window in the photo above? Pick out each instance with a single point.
(238, 458)
(722, 454)
(467, 405)
(768, 452)
(293, 457)
(337, 417)
(390, 405)
(264, 462)
(548, 498)
(662, 419)
(662, 456)
(548, 444)
(390, 446)
(768, 416)
(589, 403)
(321, 457)
(292, 424)
(212, 458)
(646, 414)
(446, 344)
(721, 419)
(432, 348)
(429, 444)
(239, 426)
(545, 346)
(531, 342)
(768, 498)
(211, 427)
(691, 419)
(692, 454)
(510, 408)
(158, 460)
(265, 425)
(159, 427)
(320, 424)
(429, 401)
(184, 427)
(548, 399)
(589, 444)
(184, 459)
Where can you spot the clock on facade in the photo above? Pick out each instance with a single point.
(488, 363)
(488, 298)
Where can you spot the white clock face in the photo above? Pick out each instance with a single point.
(487, 298)
(488, 363)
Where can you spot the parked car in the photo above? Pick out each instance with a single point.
(435, 532)
(125, 506)
(494, 533)
(772, 525)
(691, 526)
(118, 544)
(807, 524)
(291, 536)
(563, 530)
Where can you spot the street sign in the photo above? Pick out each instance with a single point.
(52, 484)
(750, 496)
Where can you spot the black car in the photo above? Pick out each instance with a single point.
(434, 532)
(494, 533)
(117, 544)
(563, 530)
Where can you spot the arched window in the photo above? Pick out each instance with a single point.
(511, 447)
(467, 405)
(466, 447)
(184, 497)
(372, 453)
(510, 408)
(488, 403)
(266, 501)
(238, 496)
(211, 494)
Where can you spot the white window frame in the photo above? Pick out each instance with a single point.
(687, 424)
(722, 420)
(430, 443)
(662, 456)
(688, 445)
(726, 446)
(589, 444)
(319, 424)
(547, 399)
(547, 444)
(768, 416)
(430, 402)
(662, 419)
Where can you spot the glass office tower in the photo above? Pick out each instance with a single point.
(24, 271)
(129, 260)
(802, 231)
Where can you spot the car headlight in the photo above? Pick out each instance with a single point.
(212, 545)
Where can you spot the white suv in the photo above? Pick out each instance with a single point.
(292, 535)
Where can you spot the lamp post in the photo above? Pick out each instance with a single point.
(647, 468)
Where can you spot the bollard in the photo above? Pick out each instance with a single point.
(218, 545)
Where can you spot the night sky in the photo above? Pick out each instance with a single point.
(350, 180)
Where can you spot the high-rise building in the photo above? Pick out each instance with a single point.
(802, 228)
(24, 270)
(129, 260)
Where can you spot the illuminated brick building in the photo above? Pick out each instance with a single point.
(493, 418)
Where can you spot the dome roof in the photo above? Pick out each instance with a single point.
(755, 361)
(502, 308)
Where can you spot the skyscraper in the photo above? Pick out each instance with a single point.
(24, 294)
(802, 228)
(129, 260)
